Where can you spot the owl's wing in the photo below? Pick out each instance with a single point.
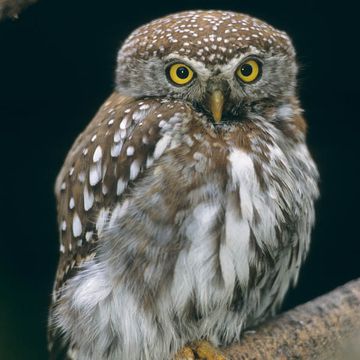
(114, 151)
(111, 154)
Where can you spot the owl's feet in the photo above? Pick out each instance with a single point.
(185, 353)
(202, 350)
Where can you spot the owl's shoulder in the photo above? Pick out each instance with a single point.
(122, 141)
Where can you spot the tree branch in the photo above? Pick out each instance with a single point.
(325, 328)
(12, 8)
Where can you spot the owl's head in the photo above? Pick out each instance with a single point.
(221, 62)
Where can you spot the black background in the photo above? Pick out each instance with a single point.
(56, 68)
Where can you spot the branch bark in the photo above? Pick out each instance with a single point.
(325, 328)
(12, 8)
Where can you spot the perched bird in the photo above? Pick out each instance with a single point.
(185, 207)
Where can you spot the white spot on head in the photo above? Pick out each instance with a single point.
(63, 225)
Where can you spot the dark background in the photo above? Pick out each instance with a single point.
(56, 68)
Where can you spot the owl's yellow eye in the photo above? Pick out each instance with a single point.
(180, 74)
(249, 71)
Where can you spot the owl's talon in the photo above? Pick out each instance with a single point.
(185, 353)
(206, 351)
(202, 350)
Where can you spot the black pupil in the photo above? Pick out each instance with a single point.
(246, 69)
(182, 72)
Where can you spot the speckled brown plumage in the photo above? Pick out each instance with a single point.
(114, 164)
(197, 34)
(176, 226)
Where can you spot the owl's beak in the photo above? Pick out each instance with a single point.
(216, 104)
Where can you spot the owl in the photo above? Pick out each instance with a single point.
(185, 207)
